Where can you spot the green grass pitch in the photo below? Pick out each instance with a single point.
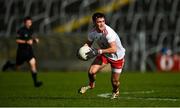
(61, 89)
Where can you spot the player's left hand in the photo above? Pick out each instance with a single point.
(92, 53)
(35, 40)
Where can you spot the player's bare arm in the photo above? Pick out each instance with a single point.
(19, 41)
(111, 49)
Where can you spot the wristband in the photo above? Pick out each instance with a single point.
(100, 51)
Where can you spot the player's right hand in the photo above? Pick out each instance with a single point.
(30, 42)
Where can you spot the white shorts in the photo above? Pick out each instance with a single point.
(116, 65)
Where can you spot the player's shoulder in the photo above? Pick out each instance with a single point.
(92, 32)
(109, 29)
(21, 28)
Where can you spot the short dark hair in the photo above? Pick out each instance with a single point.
(97, 15)
(27, 18)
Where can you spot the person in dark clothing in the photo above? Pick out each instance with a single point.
(25, 40)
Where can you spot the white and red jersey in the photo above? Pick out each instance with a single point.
(103, 40)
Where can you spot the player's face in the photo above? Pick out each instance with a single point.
(100, 24)
(28, 23)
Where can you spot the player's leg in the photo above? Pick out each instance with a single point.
(115, 84)
(98, 64)
(94, 68)
(7, 65)
(20, 58)
(33, 68)
(115, 77)
(92, 77)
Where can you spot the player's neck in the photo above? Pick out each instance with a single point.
(27, 27)
(101, 30)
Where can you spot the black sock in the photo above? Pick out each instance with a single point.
(115, 86)
(92, 77)
(34, 77)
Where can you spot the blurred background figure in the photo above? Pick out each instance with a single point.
(25, 40)
(166, 51)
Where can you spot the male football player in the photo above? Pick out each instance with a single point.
(110, 51)
(25, 40)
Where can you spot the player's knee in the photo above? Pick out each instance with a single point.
(115, 82)
(92, 70)
(32, 61)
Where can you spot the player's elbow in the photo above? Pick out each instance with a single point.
(17, 41)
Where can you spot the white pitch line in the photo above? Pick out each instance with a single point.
(105, 95)
(108, 95)
(139, 92)
(152, 99)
